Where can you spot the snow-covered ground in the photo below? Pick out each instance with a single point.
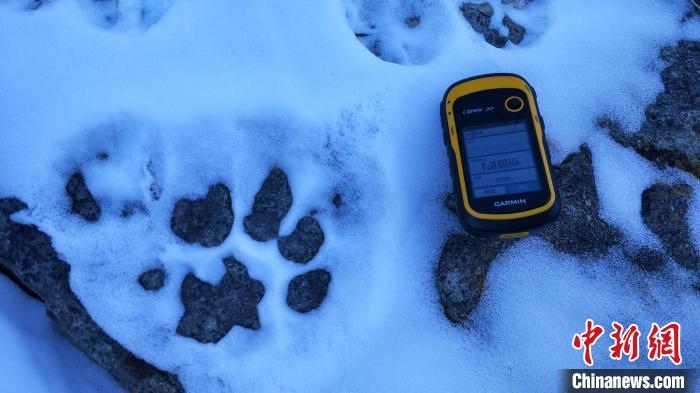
(208, 91)
(34, 356)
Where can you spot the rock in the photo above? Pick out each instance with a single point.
(82, 201)
(665, 211)
(579, 228)
(412, 21)
(519, 4)
(206, 221)
(212, 310)
(461, 271)
(516, 33)
(28, 256)
(479, 17)
(450, 202)
(670, 134)
(307, 291)
(337, 200)
(495, 38)
(152, 280)
(303, 243)
(272, 202)
(647, 258)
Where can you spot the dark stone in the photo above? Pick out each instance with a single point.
(519, 4)
(152, 280)
(82, 201)
(670, 134)
(212, 310)
(303, 243)
(664, 211)
(516, 33)
(412, 21)
(28, 256)
(493, 37)
(272, 202)
(206, 221)
(131, 208)
(307, 291)
(579, 228)
(461, 271)
(479, 17)
(337, 200)
(647, 258)
(450, 202)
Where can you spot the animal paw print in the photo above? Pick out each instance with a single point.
(211, 311)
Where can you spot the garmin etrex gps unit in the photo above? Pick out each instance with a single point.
(499, 160)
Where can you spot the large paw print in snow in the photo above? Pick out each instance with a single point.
(212, 310)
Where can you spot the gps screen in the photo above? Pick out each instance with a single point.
(500, 159)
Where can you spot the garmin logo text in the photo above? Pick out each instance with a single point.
(469, 111)
(510, 202)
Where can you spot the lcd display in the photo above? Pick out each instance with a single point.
(501, 159)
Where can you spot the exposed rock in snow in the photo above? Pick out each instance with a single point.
(647, 258)
(665, 210)
(516, 33)
(153, 279)
(307, 291)
(206, 221)
(479, 17)
(212, 310)
(579, 228)
(461, 271)
(520, 4)
(28, 255)
(272, 202)
(82, 201)
(303, 243)
(670, 135)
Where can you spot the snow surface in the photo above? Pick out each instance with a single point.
(204, 91)
(34, 356)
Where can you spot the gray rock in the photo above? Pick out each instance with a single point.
(670, 134)
(272, 202)
(479, 17)
(28, 256)
(516, 33)
(337, 200)
(307, 291)
(303, 243)
(153, 279)
(519, 4)
(206, 221)
(461, 271)
(82, 201)
(665, 211)
(412, 21)
(212, 310)
(647, 258)
(579, 228)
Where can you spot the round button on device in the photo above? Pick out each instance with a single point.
(514, 103)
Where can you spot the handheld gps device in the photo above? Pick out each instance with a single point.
(498, 156)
